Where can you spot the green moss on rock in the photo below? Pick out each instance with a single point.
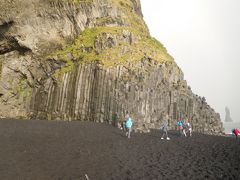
(84, 49)
(70, 1)
(101, 21)
(24, 90)
(130, 17)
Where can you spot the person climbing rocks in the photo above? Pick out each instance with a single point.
(165, 128)
(128, 126)
(236, 132)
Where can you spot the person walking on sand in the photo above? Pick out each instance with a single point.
(187, 128)
(124, 125)
(115, 119)
(236, 132)
(180, 127)
(128, 126)
(165, 128)
(184, 129)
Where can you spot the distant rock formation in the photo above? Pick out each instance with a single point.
(228, 116)
(87, 60)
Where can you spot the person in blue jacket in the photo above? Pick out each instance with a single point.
(128, 126)
(180, 127)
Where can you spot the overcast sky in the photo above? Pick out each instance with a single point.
(203, 36)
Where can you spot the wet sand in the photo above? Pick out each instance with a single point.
(71, 150)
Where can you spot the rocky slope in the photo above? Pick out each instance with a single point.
(88, 60)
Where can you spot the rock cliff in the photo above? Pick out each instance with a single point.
(88, 60)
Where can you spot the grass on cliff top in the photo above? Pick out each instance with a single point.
(130, 17)
(121, 2)
(84, 49)
(70, 1)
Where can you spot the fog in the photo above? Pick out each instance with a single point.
(203, 36)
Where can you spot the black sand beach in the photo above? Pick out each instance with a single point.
(32, 150)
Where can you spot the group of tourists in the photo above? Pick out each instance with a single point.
(184, 128)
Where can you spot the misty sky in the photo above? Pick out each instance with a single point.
(203, 36)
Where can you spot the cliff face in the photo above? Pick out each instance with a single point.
(87, 60)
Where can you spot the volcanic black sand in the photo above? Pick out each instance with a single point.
(74, 151)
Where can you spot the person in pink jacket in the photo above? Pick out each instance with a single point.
(236, 132)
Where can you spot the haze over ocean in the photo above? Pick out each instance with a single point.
(203, 37)
(231, 125)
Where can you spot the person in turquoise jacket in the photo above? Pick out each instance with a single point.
(128, 125)
(180, 127)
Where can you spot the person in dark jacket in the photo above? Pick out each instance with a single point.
(165, 128)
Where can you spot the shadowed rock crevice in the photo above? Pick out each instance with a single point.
(4, 28)
(16, 46)
(9, 43)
